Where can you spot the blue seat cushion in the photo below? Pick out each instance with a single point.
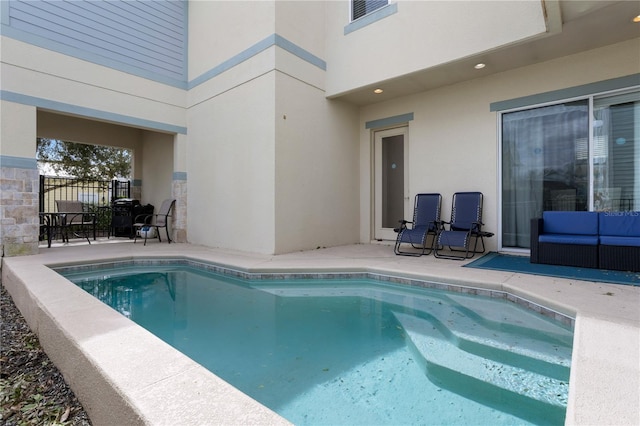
(453, 238)
(620, 241)
(574, 223)
(588, 240)
(416, 235)
(620, 224)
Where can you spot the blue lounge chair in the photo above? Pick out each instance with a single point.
(465, 227)
(426, 215)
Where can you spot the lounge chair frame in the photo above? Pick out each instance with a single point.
(426, 216)
(465, 228)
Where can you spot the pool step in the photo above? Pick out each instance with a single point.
(486, 327)
(489, 381)
(519, 346)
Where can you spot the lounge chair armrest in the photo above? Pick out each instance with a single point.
(434, 225)
(403, 225)
(476, 226)
(441, 223)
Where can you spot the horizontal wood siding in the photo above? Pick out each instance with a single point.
(148, 35)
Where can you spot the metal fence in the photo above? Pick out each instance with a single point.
(96, 196)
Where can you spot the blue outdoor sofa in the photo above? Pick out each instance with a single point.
(619, 247)
(605, 240)
(565, 238)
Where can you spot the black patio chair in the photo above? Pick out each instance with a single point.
(146, 222)
(73, 219)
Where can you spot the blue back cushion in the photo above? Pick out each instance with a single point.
(576, 223)
(620, 224)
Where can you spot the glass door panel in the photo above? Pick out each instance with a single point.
(616, 156)
(392, 180)
(390, 175)
(545, 166)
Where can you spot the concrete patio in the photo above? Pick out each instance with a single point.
(124, 375)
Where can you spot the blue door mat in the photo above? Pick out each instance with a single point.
(521, 264)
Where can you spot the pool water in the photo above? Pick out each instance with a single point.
(353, 351)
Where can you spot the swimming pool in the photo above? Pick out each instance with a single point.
(358, 350)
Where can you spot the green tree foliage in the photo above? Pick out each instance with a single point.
(91, 162)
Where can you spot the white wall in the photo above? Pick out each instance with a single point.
(81, 130)
(231, 160)
(219, 30)
(316, 169)
(18, 131)
(230, 149)
(304, 23)
(267, 152)
(92, 89)
(421, 35)
(157, 168)
(454, 135)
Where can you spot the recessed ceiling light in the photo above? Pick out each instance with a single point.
(378, 91)
(636, 19)
(479, 66)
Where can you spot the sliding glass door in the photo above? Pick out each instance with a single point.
(544, 165)
(572, 156)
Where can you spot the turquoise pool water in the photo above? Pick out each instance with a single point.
(353, 351)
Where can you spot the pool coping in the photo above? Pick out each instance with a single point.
(89, 342)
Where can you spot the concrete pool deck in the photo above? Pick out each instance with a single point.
(123, 375)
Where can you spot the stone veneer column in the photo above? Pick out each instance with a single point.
(179, 191)
(19, 220)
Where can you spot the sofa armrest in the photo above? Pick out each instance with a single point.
(536, 230)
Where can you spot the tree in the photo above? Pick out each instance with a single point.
(91, 162)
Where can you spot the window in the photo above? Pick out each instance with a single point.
(362, 7)
(580, 155)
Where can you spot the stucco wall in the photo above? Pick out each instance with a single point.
(420, 35)
(267, 151)
(316, 170)
(454, 135)
(231, 160)
(64, 82)
(220, 30)
(303, 22)
(157, 168)
(17, 133)
(75, 129)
